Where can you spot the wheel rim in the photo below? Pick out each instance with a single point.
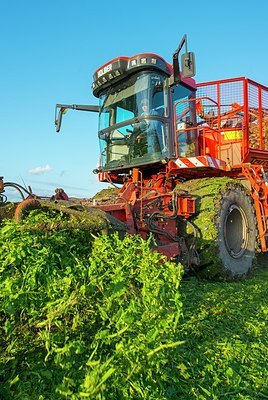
(236, 231)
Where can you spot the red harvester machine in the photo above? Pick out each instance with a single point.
(161, 132)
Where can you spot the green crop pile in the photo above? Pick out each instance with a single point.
(96, 317)
(84, 316)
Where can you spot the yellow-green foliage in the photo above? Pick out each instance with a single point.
(103, 319)
(7, 211)
(108, 192)
(84, 319)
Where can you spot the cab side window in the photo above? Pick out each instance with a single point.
(185, 118)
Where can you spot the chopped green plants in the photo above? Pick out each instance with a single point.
(85, 319)
(84, 315)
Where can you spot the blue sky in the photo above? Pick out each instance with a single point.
(50, 50)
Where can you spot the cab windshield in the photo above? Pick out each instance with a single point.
(133, 121)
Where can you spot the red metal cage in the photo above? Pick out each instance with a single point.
(234, 120)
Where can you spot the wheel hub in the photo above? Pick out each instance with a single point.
(236, 231)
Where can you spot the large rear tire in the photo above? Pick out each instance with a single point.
(237, 232)
(225, 226)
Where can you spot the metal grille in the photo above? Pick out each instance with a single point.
(234, 113)
(254, 121)
(232, 119)
(209, 98)
(258, 116)
(221, 97)
(264, 98)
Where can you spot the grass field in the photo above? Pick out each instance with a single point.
(224, 325)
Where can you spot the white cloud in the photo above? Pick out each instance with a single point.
(40, 170)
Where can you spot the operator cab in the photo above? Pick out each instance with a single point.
(137, 101)
(133, 119)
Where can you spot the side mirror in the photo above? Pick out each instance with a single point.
(63, 109)
(187, 61)
(188, 65)
(59, 118)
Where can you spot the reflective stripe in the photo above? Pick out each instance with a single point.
(201, 161)
(180, 163)
(196, 162)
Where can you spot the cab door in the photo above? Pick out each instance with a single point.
(184, 121)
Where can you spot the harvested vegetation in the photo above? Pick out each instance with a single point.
(254, 132)
(96, 317)
(68, 216)
(109, 192)
(84, 316)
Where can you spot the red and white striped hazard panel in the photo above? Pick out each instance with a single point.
(102, 176)
(200, 161)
